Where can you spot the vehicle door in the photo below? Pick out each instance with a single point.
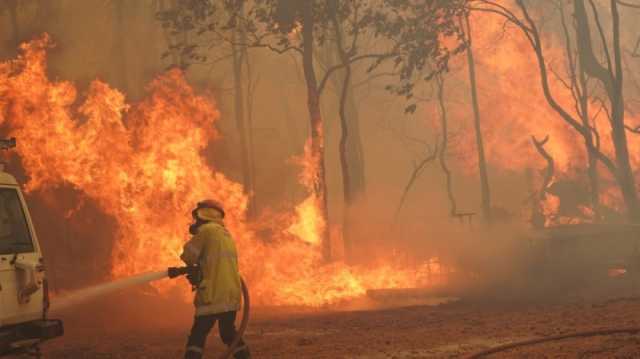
(17, 244)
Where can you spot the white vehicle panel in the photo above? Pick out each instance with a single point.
(18, 244)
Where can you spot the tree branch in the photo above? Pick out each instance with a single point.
(351, 61)
(628, 4)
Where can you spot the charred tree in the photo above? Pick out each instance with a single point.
(482, 162)
(350, 146)
(611, 77)
(444, 146)
(538, 219)
(579, 86)
(120, 35)
(250, 99)
(315, 120)
(548, 176)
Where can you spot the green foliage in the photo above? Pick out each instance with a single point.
(414, 38)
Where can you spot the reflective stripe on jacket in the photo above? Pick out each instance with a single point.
(214, 250)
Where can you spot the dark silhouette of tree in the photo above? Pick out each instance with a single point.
(609, 75)
(444, 147)
(485, 191)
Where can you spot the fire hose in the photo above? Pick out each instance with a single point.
(194, 276)
(592, 333)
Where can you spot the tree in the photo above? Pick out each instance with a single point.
(610, 75)
(611, 78)
(240, 60)
(444, 147)
(482, 162)
(410, 34)
(579, 86)
(120, 35)
(182, 54)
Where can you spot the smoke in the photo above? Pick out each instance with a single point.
(123, 48)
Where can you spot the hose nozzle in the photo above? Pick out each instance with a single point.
(174, 272)
(193, 273)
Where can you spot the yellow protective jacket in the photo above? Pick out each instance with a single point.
(214, 250)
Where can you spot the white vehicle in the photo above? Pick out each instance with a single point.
(23, 288)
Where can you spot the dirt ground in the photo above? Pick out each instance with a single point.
(137, 326)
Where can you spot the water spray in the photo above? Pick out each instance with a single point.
(86, 294)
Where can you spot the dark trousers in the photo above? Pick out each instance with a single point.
(203, 324)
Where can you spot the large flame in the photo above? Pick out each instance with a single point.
(142, 164)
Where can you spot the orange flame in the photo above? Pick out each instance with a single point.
(513, 108)
(142, 164)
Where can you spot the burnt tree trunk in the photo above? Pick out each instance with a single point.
(612, 79)
(119, 37)
(548, 179)
(12, 7)
(238, 54)
(355, 152)
(350, 147)
(344, 166)
(444, 124)
(592, 166)
(316, 125)
(482, 162)
(250, 97)
(581, 94)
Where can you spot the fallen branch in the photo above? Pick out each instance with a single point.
(417, 170)
(592, 333)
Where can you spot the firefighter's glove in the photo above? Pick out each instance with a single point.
(194, 276)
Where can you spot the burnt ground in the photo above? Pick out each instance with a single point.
(138, 326)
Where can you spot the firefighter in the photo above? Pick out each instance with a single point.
(218, 290)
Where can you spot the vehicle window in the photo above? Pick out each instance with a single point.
(14, 232)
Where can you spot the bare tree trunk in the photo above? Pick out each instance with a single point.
(548, 178)
(612, 78)
(251, 87)
(238, 54)
(12, 7)
(47, 15)
(355, 150)
(344, 165)
(482, 162)
(316, 124)
(580, 90)
(537, 219)
(120, 48)
(444, 123)
(350, 147)
(592, 166)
